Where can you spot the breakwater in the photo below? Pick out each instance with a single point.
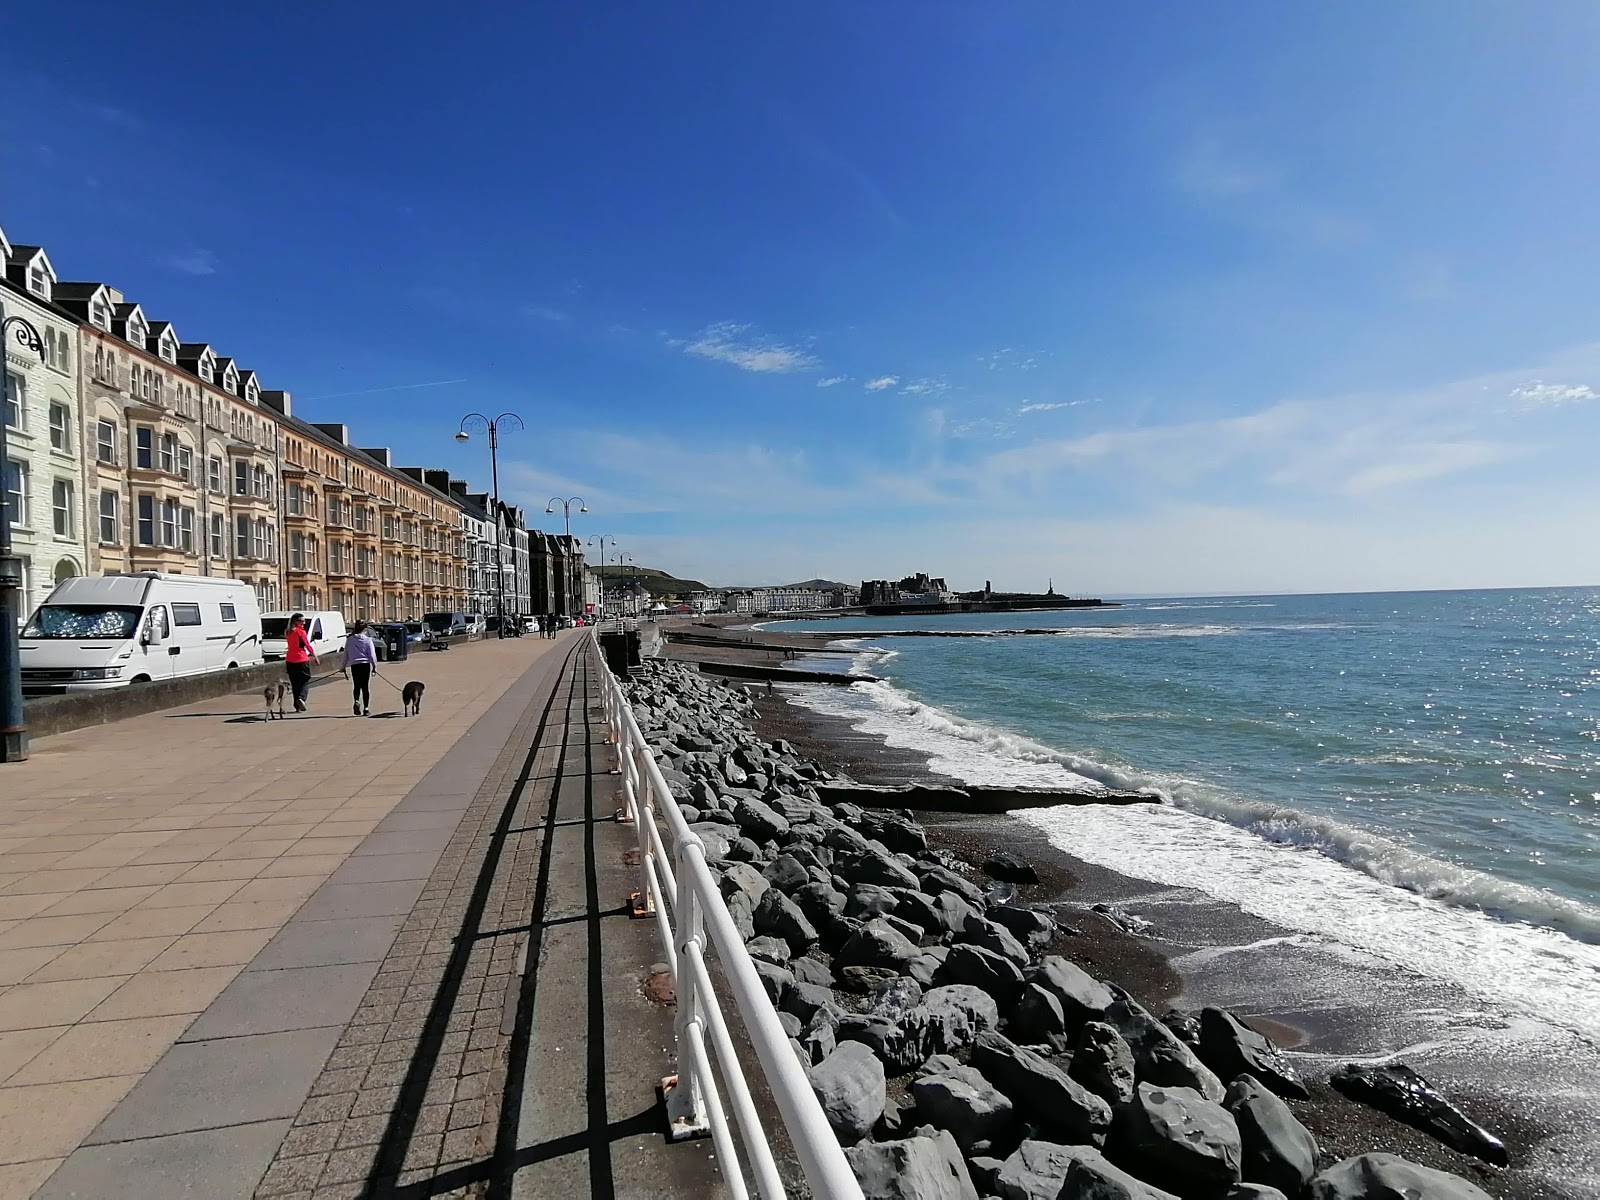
(954, 1043)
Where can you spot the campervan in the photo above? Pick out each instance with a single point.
(325, 629)
(107, 631)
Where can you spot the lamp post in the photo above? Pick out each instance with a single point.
(493, 427)
(566, 514)
(13, 728)
(601, 542)
(622, 578)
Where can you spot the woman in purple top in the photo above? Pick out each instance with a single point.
(360, 656)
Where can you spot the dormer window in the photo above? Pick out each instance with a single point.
(168, 347)
(230, 380)
(41, 275)
(252, 393)
(137, 332)
(206, 366)
(100, 312)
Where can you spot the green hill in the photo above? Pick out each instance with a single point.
(656, 582)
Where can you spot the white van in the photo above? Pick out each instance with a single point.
(325, 629)
(107, 631)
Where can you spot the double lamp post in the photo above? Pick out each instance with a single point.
(477, 420)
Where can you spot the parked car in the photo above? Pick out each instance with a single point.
(447, 624)
(325, 628)
(94, 633)
(475, 624)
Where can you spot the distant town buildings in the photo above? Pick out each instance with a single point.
(129, 449)
(772, 599)
(913, 589)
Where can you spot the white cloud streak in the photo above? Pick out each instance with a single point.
(192, 262)
(833, 381)
(1538, 394)
(882, 383)
(728, 342)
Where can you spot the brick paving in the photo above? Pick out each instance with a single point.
(145, 865)
(411, 1093)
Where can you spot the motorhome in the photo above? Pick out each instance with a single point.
(325, 629)
(108, 631)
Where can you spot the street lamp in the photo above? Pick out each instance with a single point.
(566, 513)
(623, 573)
(601, 543)
(493, 426)
(13, 728)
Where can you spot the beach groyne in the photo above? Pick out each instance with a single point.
(950, 1031)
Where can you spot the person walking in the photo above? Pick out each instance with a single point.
(360, 660)
(297, 658)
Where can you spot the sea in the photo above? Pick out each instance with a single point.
(1415, 776)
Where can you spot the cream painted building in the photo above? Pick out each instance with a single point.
(43, 471)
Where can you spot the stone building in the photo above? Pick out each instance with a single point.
(43, 472)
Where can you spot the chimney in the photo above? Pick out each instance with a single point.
(339, 433)
(381, 453)
(278, 401)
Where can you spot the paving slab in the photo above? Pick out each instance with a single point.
(218, 1164)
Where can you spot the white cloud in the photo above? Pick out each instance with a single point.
(192, 262)
(1207, 168)
(1420, 463)
(925, 387)
(833, 381)
(1031, 406)
(542, 313)
(882, 383)
(726, 342)
(1538, 394)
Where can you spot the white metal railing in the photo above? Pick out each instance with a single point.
(678, 879)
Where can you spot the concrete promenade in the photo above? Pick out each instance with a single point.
(241, 958)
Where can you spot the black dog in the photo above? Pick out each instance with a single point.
(411, 698)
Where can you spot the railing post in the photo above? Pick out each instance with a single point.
(686, 1113)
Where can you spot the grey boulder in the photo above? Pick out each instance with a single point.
(760, 821)
(1103, 1063)
(962, 1101)
(984, 969)
(957, 1014)
(1177, 1139)
(1082, 996)
(1277, 1150)
(778, 916)
(1041, 1092)
(876, 944)
(1231, 1048)
(917, 1168)
(1390, 1177)
(850, 1086)
(1039, 1170)
(1158, 1056)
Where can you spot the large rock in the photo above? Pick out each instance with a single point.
(868, 866)
(1254, 1191)
(1390, 1177)
(1082, 996)
(850, 1086)
(954, 911)
(918, 1168)
(1231, 1048)
(1275, 1148)
(1007, 866)
(937, 880)
(957, 1014)
(1041, 1092)
(769, 949)
(778, 916)
(962, 1101)
(715, 838)
(868, 900)
(777, 981)
(1039, 1170)
(743, 911)
(742, 877)
(876, 944)
(1096, 1179)
(1032, 928)
(899, 1044)
(760, 821)
(980, 931)
(1037, 1019)
(899, 833)
(786, 874)
(911, 905)
(984, 969)
(1103, 1063)
(1398, 1090)
(821, 903)
(1178, 1140)
(1158, 1056)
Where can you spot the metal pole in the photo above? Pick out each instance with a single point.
(13, 722)
(499, 558)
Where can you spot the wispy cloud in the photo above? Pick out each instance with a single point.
(1208, 168)
(1009, 359)
(399, 387)
(925, 387)
(1538, 394)
(192, 262)
(833, 381)
(731, 342)
(882, 383)
(540, 312)
(1033, 406)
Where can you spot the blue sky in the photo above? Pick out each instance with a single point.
(1144, 298)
